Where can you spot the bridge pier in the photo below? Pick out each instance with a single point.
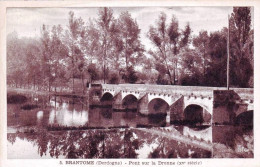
(177, 111)
(117, 102)
(143, 105)
(225, 106)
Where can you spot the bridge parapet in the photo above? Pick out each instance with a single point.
(191, 91)
(245, 93)
(111, 91)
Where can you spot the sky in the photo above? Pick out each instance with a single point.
(27, 21)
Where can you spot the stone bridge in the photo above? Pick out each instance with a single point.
(180, 104)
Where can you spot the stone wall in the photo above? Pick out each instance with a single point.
(224, 105)
(176, 111)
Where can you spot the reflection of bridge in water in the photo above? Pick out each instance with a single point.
(177, 136)
(180, 104)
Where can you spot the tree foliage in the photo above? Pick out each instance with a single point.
(168, 40)
(129, 40)
(110, 48)
(241, 47)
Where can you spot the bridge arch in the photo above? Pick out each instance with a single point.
(130, 101)
(126, 93)
(158, 106)
(106, 96)
(194, 113)
(111, 91)
(106, 99)
(245, 118)
(205, 103)
(166, 98)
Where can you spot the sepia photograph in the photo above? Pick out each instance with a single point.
(128, 82)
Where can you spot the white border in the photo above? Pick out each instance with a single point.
(4, 162)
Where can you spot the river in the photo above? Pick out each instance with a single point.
(48, 126)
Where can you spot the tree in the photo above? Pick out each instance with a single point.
(130, 44)
(177, 42)
(169, 40)
(130, 75)
(90, 46)
(148, 72)
(15, 59)
(106, 25)
(201, 43)
(33, 62)
(93, 72)
(72, 41)
(161, 79)
(217, 67)
(241, 46)
(159, 38)
(90, 42)
(191, 64)
(60, 53)
(47, 55)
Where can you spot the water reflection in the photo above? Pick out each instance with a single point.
(114, 143)
(239, 139)
(104, 133)
(30, 150)
(198, 133)
(65, 117)
(58, 111)
(39, 116)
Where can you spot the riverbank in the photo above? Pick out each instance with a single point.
(65, 93)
